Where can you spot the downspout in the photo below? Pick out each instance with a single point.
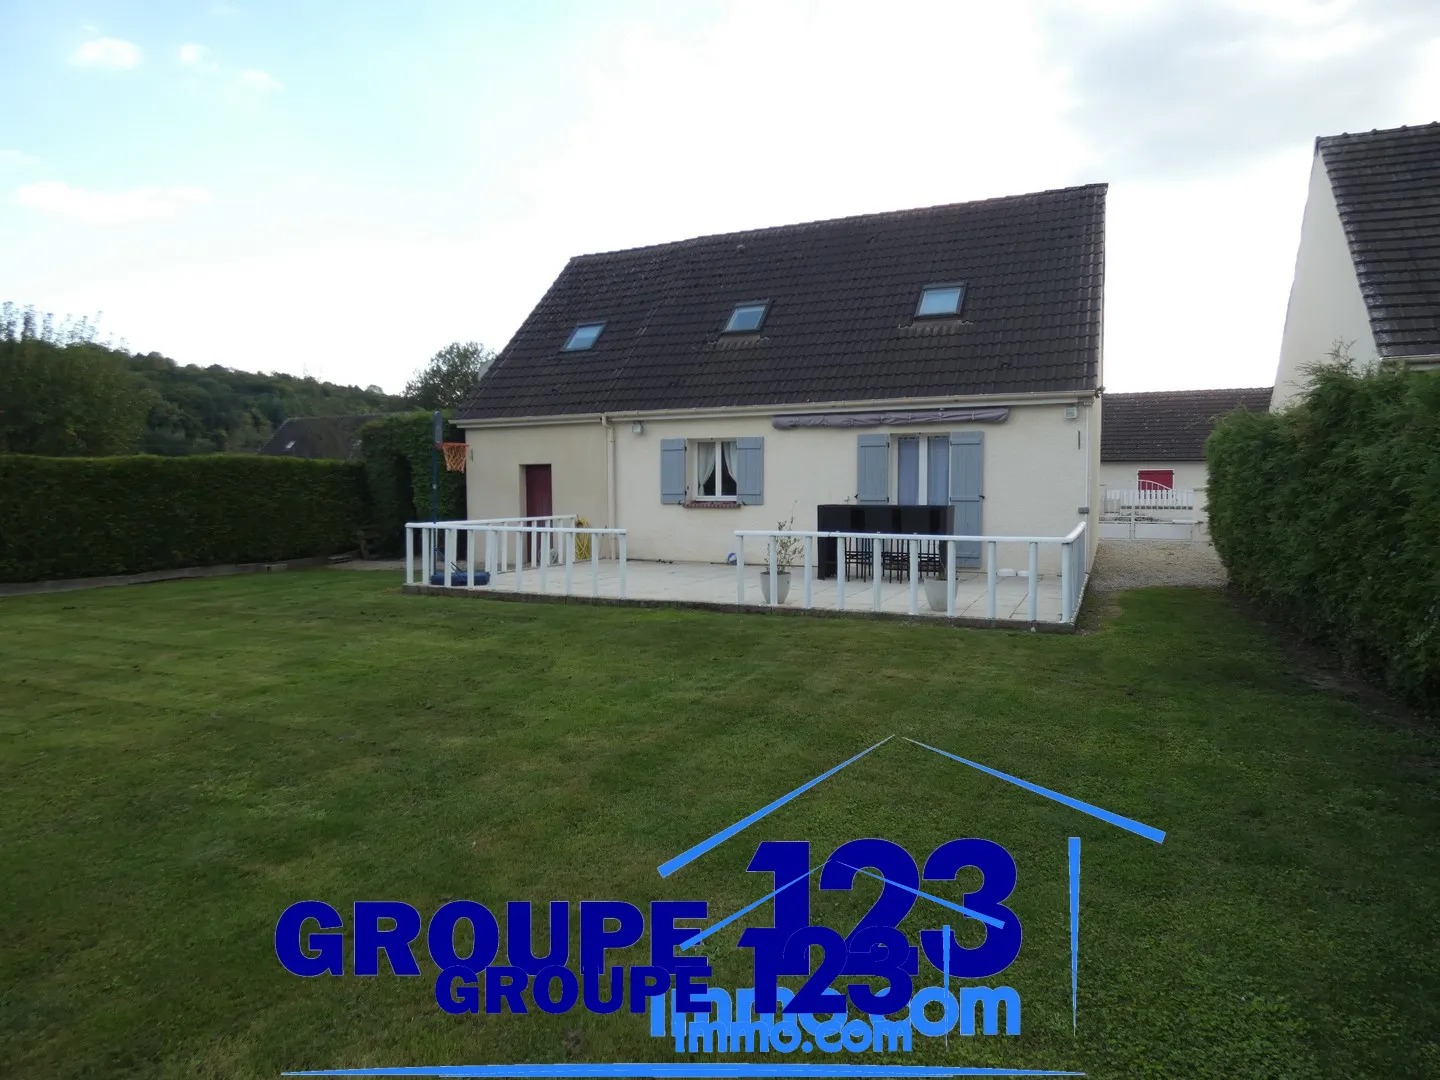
(609, 471)
(1089, 502)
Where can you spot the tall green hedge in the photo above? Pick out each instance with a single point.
(84, 517)
(1328, 516)
(396, 450)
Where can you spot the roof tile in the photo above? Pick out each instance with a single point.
(841, 322)
(1387, 189)
(1169, 425)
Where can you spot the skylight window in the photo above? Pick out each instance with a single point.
(582, 337)
(747, 317)
(940, 300)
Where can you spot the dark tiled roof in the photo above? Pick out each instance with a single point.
(335, 437)
(1170, 425)
(841, 323)
(1387, 186)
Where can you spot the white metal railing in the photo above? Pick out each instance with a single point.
(503, 564)
(1149, 499)
(1072, 566)
(546, 543)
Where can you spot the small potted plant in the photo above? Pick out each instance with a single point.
(788, 551)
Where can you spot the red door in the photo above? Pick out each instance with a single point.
(1156, 479)
(537, 502)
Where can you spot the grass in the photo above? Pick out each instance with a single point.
(180, 762)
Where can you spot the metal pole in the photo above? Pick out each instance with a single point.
(950, 578)
(438, 431)
(436, 425)
(1032, 574)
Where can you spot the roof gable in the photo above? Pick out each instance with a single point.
(335, 437)
(841, 323)
(1169, 425)
(1387, 189)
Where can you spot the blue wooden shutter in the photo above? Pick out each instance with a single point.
(967, 474)
(937, 477)
(750, 471)
(874, 475)
(908, 470)
(672, 470)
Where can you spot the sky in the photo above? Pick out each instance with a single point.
(339, 189)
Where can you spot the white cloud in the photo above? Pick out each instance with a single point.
(112, 54)
(1422, 104)
(192, 54)
(59, 199)
(665, 129)
(833, 110)
(260, 82)
(16, 159)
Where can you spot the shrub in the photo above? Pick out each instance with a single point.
(83, 517)
(1328, 516)
(396, 451)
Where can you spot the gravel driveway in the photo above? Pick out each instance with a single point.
(1138, 564)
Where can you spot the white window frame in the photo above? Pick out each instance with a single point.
(693, 451)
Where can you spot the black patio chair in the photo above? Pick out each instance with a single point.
(859, 559)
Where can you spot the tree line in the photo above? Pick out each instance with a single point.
(65, 391)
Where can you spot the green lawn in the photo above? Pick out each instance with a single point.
(179, 762)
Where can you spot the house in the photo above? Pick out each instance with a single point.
(949, 355)
(1368, 270)
(1155, 443)
(336, 437)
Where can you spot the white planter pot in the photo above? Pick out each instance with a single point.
(784, 586)
(935, 593)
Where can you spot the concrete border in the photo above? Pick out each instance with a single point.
(32, 588)
(745, 609)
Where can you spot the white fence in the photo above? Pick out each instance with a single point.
(540, 544)
(1156, 514)
(1122, 502)
(1072, 566)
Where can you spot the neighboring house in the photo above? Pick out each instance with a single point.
(1368, 270)
(335, 437)
(1156, 442)
(686, 390)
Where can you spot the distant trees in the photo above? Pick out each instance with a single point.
(64, 392)
(75, 400)
(27, 324)
(449, 376)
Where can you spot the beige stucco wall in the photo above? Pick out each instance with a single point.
(1325, 301)
(495, 475)
(1034, 481)
(1035, 478)
(1124, 476)
(1092, 436)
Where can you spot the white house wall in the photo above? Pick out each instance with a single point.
(1035, 479)
(495, 474)
(1325, 301)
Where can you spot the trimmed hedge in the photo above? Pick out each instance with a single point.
(1328, 516)
(87, 517)
(396, 450)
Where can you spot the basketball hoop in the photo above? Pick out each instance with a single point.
(455, 455)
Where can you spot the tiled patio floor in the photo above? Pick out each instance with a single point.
(711, 584)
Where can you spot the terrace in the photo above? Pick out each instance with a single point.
(844, 572)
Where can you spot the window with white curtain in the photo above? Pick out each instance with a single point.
(715, 469)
